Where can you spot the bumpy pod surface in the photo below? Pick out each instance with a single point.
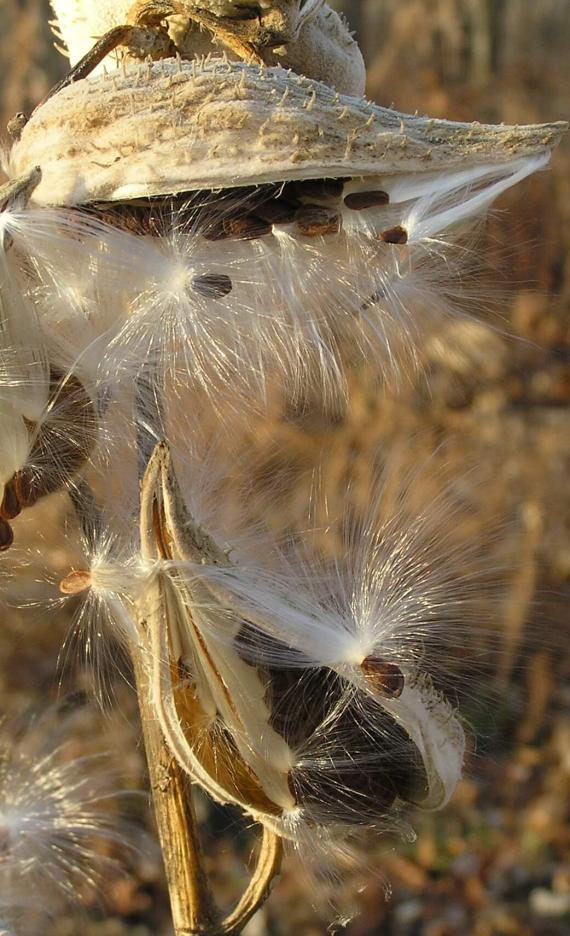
(175, 126)
(308, 37)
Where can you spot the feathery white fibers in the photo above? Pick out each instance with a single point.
(397, 581)
(115, 301)
(319, 685)
(24, 373)
(104, 583)
(52, 811)
(49, 423)
(66, 267)
(111, 300)
(188, 336)
(429, 205)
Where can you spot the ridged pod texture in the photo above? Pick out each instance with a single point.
(177, 126)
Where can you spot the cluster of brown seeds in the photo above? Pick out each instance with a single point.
(302, 700)
(314, 207)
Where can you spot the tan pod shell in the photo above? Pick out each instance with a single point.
(322, 46)
(157, 129)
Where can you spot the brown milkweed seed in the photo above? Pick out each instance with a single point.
(75, 583)
(395, 235)
(386, 678)
(246, 228)
(358, 201)
(316, 188)
(10, 506)
(277, 211)
(6, 535)
(314, 221)
(212, 285)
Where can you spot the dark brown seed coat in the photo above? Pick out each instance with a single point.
(358, 201)
(315, 221)
(395, 235)
(386, 678)
(212, 285)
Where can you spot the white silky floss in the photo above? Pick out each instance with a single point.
(359, 263)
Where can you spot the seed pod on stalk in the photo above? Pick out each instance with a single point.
(216, 225)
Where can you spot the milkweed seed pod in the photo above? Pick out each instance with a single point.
(296, 693)
(330, 739)
(239, 219)
(308, 37)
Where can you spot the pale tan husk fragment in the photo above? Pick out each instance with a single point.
(315, 39)
(173, 126)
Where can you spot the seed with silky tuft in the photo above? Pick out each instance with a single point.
(75, 582)
(314, 221)
(395, 235)
(212, 285)
(358, 201)
(386, 678)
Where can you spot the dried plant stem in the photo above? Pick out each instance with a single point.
(190, 899)
(194, 911)
(192, 904)
(268, 867)
(193, 908)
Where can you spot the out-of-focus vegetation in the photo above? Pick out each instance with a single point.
(494, 402)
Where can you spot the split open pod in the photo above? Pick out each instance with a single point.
(238, 224)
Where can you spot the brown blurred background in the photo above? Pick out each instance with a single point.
(494, 403)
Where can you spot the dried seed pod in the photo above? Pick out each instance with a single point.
(112, 138)
(250, 148)
(235, 681)
(58, 448)
(309, 38)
